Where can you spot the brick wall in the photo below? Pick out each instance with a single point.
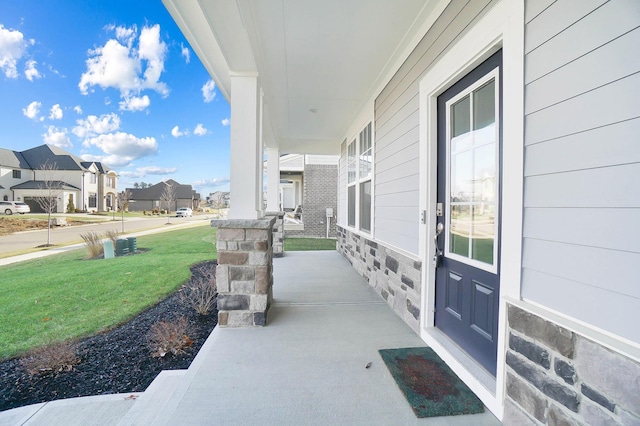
(320, 192)
(557, 377)
(396, 277)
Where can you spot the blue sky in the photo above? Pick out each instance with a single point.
(113, 81)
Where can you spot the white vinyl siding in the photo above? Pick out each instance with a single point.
(397, 133)
(581, 247)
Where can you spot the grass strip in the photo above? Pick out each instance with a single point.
(304, 244)
(63, 296)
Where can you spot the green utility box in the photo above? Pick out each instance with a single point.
(122, 247)
(133, 244)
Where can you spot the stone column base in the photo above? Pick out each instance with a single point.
(278, 233)
(244, 275)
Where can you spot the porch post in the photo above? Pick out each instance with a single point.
(246, 147)
(273, 179)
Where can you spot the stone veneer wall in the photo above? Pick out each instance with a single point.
(320, 183)
(396, 277)
(277, 233)
(558, 377)
(244, 275)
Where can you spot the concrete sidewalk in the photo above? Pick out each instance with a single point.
(307, 366)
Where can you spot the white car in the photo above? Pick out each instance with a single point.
(184, 212)
(11, 207)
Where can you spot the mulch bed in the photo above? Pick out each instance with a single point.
(116, 361)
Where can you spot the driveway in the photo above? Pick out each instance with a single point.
(26, 241)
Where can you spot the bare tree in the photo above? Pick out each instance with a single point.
(218, 202)
(168, 197)
(123, 203)
(50, 190)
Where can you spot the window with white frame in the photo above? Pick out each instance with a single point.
(93, 200)
(17, 174)
(351, 183)
(359, 172)
(93, 178)
(366, 166)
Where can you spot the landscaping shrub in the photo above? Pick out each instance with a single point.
(201, 293)
(166, 337)
(93, 243)
(70, 207)
(56, 358)
(112, 234)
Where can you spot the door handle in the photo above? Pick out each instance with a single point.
(437, 257)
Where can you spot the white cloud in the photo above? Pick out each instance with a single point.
(200, 130)
(209, 91)
(121, 148)
(210, 182)
(118, 66)
(78, 109)
(155, 170)
(30, 70)
(56, 112)
(226, 121)
(12, 47)
(32, 110)
(176, 133)
(93, 125)
(127, 35)
(135, 103)
(57, 137)
(185, 52)
(141, 172)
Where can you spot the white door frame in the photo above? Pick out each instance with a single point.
(501, 27)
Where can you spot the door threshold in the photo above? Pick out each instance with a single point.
(479, 380)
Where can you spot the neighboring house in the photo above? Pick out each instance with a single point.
(89, 185)
(150, 198)
(308, 182)
(219, 199)
(502, 134)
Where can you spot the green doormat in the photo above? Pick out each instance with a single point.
(429, 385)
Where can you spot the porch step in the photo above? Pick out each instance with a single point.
(151, 401)
(73, 411)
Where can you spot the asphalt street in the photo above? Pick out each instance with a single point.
(22, 242)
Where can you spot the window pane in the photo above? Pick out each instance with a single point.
(460, 230)
(460, 117)
(484, 105)
(365, 206)
(461, 177)
(351, 162)
(484, 173)
(351, 205)
(483, 232)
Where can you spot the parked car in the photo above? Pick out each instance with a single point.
(184, 212)
(11, 207)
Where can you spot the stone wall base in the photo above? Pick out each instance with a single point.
(396, 277)
(558, 377)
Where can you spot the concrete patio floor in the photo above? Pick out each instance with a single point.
(307, 366)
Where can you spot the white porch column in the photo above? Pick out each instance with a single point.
(273, 179)
(246, 147)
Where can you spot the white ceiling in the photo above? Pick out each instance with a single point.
(330, 56)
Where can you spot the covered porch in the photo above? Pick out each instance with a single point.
(306, 367)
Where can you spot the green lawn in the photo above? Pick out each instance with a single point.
(302, 244)
(62, 296)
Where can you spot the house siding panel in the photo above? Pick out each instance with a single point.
(397, 129)
(582, 117)
(535, 7)
(595, 29)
